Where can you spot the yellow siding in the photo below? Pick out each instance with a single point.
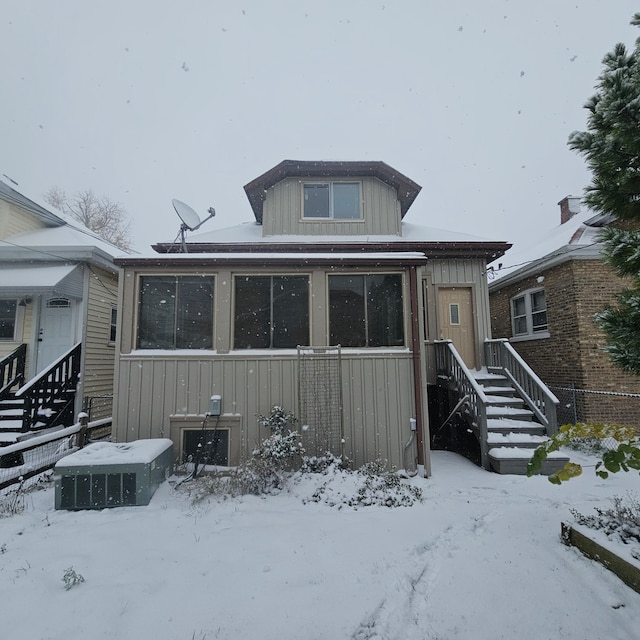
(14, 219)
(99, 355)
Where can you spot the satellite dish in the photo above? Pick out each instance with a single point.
(190, 219)
(188, 216)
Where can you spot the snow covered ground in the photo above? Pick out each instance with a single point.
(480, 558)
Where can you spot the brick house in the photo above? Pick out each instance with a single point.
(546, 304)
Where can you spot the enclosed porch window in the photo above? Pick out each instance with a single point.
(366, 310)
(175, 312)
(271, 312)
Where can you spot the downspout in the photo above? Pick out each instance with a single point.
(415, 356)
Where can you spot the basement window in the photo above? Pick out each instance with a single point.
(529, 315)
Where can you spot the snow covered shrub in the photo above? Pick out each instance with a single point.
(71, 578)
(372, 484)
(321, 464)
(278, 419)
(621, 521)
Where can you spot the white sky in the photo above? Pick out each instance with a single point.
(152, 100)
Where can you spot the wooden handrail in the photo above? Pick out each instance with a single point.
(12, 369)
(449, 363)
(52, 392)
(537, 396)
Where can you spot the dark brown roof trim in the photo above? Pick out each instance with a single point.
(491, 250)
(187, 260)
(256, 189)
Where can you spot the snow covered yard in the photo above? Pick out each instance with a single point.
(480, 558)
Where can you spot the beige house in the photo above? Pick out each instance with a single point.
(331, 304)
(58, 301)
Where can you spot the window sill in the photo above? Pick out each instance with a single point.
(331, 219)
(542, 335)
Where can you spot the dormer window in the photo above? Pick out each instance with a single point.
(332, 200)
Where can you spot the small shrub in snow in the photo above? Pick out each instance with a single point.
(278, 420)
(320, 464)
(71, 578)
(621, 521)
(372, 484)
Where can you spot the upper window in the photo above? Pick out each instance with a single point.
(529, 314)
(337, 200)
(8, 309)
(366, 310)
(175, 312)
(271, 312)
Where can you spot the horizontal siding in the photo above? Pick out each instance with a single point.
(99, 355)
(14, 219)
(377, 395)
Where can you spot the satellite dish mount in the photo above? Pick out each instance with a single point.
(190, 220)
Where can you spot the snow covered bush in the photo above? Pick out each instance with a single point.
(372, 484)
(620, 522)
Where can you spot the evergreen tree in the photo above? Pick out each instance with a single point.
(611, 146)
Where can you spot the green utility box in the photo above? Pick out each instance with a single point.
(110, 474)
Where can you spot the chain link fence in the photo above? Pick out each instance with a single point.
(600, 407)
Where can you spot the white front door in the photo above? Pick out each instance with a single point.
(57, 328)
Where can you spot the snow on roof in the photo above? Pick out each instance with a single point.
(251, 232)
(576, 236)
(65, 236)
(114, 453)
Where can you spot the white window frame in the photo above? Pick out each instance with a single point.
(532, 333)
(330, 184)
(113, 323)
(17, 320)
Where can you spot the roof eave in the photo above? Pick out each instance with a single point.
(256, 189)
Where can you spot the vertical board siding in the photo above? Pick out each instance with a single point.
(282, 213)
(376, 416)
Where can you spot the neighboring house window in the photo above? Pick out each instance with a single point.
(529, 314)
(8, 309)
(112, 325)
(271, 312)
(175, 312)
(366, 310)
(338, 200)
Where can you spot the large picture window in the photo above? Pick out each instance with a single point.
(175, 312)
(8, 310)
(271, 312)
(529, 314)
(339, 200)
(366, 310)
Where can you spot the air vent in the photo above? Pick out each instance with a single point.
(107, 474)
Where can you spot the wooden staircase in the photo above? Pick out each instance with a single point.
(505, 407)
(513, 431)
(45, 402)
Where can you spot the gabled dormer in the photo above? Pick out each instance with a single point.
(328, 198)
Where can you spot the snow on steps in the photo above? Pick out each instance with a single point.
(512, 431)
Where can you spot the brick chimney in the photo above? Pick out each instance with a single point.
(569, 206)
